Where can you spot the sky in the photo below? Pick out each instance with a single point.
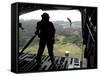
(55, 15)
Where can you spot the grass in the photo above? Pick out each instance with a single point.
(59, 50)
(62, 44)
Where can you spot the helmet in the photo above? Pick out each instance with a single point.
(45, 16)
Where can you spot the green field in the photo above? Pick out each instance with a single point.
(61, 45)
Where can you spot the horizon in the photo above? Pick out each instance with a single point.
(52, 21)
